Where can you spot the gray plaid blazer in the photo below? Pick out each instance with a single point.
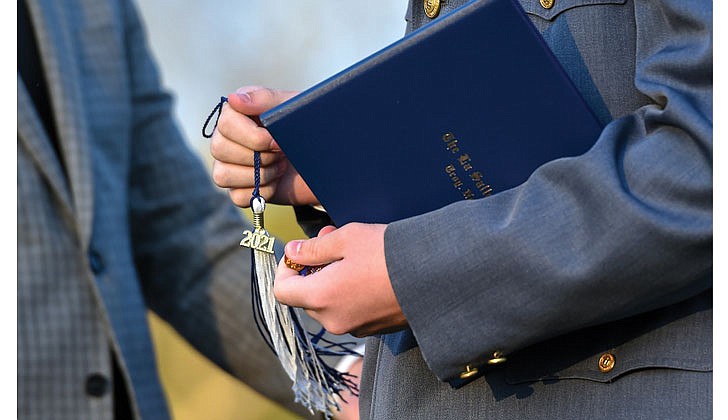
(127, 219)
(594, 278)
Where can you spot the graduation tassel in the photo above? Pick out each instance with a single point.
(315, 384)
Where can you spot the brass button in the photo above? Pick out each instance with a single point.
(497, 359)
(468, 372)
(432, 8)
(606, 362)
(547, 4)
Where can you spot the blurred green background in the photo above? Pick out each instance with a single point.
(208, 49)
(196, 388)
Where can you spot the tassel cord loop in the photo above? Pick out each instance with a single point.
(217, 110)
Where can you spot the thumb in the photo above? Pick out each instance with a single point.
(255, 100)
(321, 250)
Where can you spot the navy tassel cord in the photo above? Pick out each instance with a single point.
(217, 110)
(333, 380)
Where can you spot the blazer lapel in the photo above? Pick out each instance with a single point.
(60, 64)
(35, 139)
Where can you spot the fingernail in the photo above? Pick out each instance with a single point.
(293, 248)
(244, 97)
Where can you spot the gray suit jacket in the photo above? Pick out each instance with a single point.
(594, 278)
(128, 221)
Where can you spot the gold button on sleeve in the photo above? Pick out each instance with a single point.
(432, 8)
(547, 4)
(606, 362)
(468, 372)
(497, 359)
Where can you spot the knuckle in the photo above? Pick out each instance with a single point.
(353, 228)
(271, 158)
(336, 327)
(217, 146)
(278, 291)
(267, 97)
(266, 159)
(219, 175)
(310, 248)
(224, 124)
(267, 93)
(241, 198)
(261, 139)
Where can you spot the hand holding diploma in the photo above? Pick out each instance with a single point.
(353, 292)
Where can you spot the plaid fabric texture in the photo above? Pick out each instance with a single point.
(133, 222)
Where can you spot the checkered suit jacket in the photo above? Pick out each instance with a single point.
(124, 220)
(593, 278)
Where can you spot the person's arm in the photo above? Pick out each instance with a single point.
(185, 236)
(624, 229)
(621, 230)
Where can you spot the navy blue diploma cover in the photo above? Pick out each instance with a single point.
(468, 105)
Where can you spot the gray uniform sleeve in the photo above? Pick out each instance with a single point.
(621, 230)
